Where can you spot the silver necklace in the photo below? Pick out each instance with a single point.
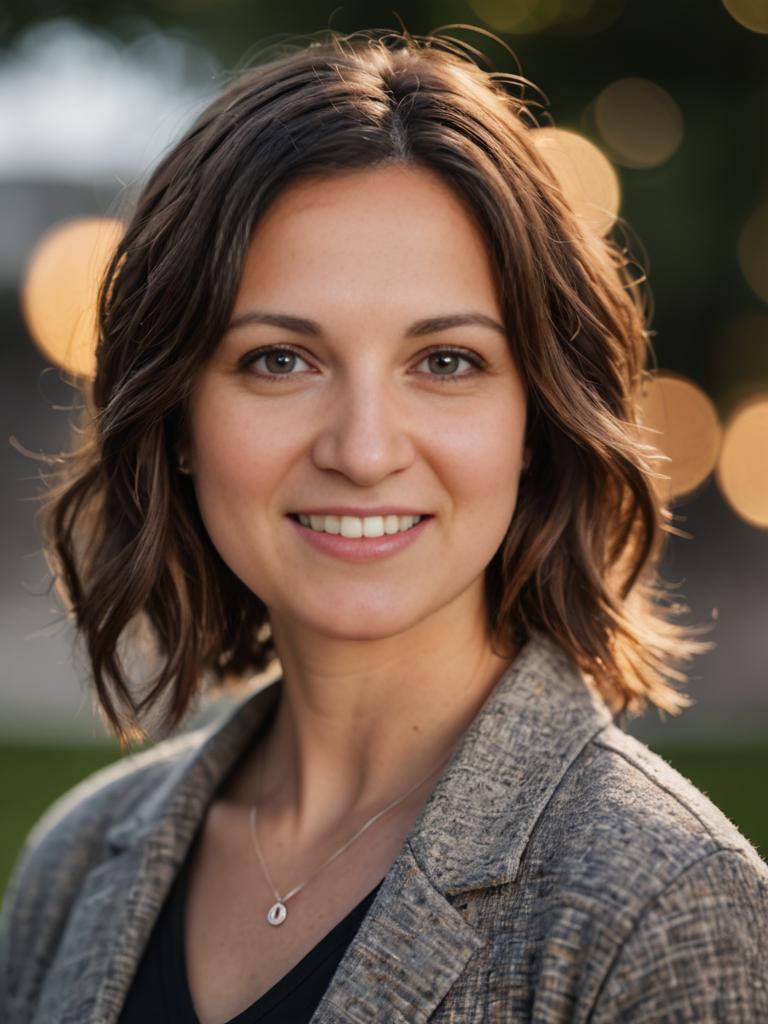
(277, 913)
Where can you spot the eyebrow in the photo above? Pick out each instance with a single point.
(430, 325)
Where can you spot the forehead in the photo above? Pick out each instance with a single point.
(397, 230)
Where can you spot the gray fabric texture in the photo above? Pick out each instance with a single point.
(560, 871)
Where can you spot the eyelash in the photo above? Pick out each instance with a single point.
(247, 361)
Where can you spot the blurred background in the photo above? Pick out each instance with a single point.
(653, 118)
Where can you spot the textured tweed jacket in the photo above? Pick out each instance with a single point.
(559, 871)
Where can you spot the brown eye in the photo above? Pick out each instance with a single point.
(446, 362)
(443, 362)
(275, 361)
(279, 360)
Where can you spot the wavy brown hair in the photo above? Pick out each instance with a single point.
(121, 530)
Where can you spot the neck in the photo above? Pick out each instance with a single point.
(360, 723)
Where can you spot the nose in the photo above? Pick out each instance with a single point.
(363, 431)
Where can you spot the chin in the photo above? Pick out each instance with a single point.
(357, 626)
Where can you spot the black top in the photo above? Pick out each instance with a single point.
(159, 993)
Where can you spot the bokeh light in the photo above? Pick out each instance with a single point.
(752, 14)
(524, 17)
(689, 431)
(742, 469)
(753, 251)
(639, 122)
(586, 176)
(60, 288)
(518, 16)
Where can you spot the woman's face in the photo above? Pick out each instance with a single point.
(368, 405)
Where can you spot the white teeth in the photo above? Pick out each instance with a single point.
(354, 526)
(373, 526)
(351, 526)
(391, 524)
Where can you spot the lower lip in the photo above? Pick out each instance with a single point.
(361, 549)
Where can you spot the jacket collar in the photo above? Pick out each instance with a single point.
(533, 724)
(413, 943)
(531, 728)
(168, 816)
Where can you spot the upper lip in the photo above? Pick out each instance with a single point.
(361, 513)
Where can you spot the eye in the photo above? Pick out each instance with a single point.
(443, 361)
(278, 361)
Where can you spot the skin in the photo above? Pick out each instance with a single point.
(386, 662)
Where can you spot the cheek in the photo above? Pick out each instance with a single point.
(240, 457)
(484, 460)
(237, 448)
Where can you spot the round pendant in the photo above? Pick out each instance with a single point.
(277, 913)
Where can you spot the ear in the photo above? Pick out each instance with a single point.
(527, 456)
(182, 460)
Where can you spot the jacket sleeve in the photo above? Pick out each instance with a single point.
(699, 951)
(44, 880)
(61, 848)
(23, 913)
(7, 916)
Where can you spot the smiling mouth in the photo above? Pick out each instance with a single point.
(354, 527)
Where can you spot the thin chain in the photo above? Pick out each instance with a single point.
(298, 888)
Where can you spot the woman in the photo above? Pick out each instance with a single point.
(365, 410)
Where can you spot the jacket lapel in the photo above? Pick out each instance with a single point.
(411, 947)
(414, 942)
(121, 898)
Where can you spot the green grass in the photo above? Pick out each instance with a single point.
(32, 776)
